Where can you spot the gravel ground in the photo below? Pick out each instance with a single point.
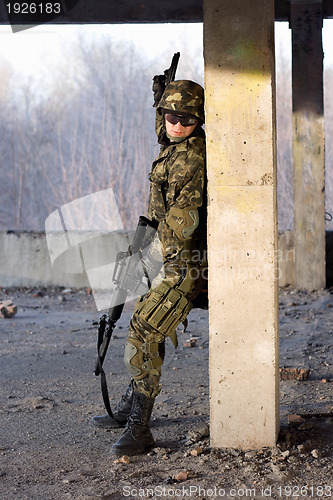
(49, 393)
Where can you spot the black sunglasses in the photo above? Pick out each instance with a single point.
(185, 121)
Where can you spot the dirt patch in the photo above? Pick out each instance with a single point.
(49, 393)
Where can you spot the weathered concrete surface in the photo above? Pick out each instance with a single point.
(242, 222)
(26, 262)
(309, 200)
(308, 143)
(286, 259)
(28, 259)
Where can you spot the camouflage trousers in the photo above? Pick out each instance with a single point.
(155, 318)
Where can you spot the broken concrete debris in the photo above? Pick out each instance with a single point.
(294, 373)
(191, 342)
(7, 309)
(294, 419)
(122, 460)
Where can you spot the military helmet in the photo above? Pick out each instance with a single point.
(183, 96)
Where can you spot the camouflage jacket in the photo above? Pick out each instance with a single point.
(177, 179)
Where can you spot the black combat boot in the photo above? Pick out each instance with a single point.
(120, 413)
(137, 437)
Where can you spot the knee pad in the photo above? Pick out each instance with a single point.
(140, 358)
(132, 359)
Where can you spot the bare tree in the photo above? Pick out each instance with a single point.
(96, 132)
(110, 143)
(92, 128)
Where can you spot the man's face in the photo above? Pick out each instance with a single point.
(179, 126)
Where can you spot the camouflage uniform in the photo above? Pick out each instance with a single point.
(177, 201)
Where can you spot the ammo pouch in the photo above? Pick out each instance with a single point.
(165, 307)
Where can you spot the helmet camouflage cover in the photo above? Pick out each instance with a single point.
(184, 97)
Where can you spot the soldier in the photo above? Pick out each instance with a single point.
(177, 202)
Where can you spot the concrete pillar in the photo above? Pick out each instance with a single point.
(308, 143)
(242, 222)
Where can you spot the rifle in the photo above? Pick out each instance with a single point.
(127, 277)
(161, 81)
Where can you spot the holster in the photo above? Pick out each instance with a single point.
(165, 308)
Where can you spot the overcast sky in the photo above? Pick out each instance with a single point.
(28, 50)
